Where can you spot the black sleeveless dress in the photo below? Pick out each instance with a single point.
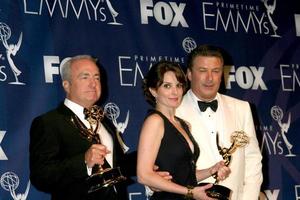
(176, 157)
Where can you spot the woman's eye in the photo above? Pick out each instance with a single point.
(167, 86)
(179, 85)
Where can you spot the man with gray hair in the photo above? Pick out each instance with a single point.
(61, 159)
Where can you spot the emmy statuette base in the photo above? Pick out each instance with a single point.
(217, 191)
(105, 178)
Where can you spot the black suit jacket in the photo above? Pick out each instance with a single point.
(57, 158)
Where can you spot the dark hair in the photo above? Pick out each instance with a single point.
(155, 78)
(204, 50)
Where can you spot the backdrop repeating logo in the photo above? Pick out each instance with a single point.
(2, 154)
(10, 182)
(167, 14)
(240, 17)
(297, 191)
(297, 24)
(289, 75)
(188, 44)
(94, 11)
(11, 50)
(277, 115)
(245, 77)
(269, 194)
(130, 67)
(270, 10)
(133, 67)
(276, 145)
(112, 111)
(113, 13)
(52, 66)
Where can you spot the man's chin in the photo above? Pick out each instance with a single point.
(209, 96)
(92, 101)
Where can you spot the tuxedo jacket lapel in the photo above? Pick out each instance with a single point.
(227, 114)
(68, 115)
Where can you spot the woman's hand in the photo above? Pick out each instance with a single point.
(200, 194)
(164, 174)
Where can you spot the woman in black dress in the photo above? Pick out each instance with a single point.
(165, 140)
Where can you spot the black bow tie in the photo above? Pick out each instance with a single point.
(203, 105)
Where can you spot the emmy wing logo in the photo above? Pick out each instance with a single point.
(10, 182)
(277, 115)
(297, 24)
(112, 111)
(113, 13)
(270, 8)
(11, 50)
(188, 44)
(2, 154)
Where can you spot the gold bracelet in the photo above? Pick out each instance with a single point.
(189, 194)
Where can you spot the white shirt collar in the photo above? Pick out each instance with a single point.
(76, 108)
(195, 98)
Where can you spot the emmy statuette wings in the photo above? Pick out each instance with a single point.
(238, 139)
(101, 177)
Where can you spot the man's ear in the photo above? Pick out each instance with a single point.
(189, 74)
(66, 86)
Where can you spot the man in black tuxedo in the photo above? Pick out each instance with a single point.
(60, 157)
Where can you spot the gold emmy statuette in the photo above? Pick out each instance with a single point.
(238, 139)
(101, 177)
